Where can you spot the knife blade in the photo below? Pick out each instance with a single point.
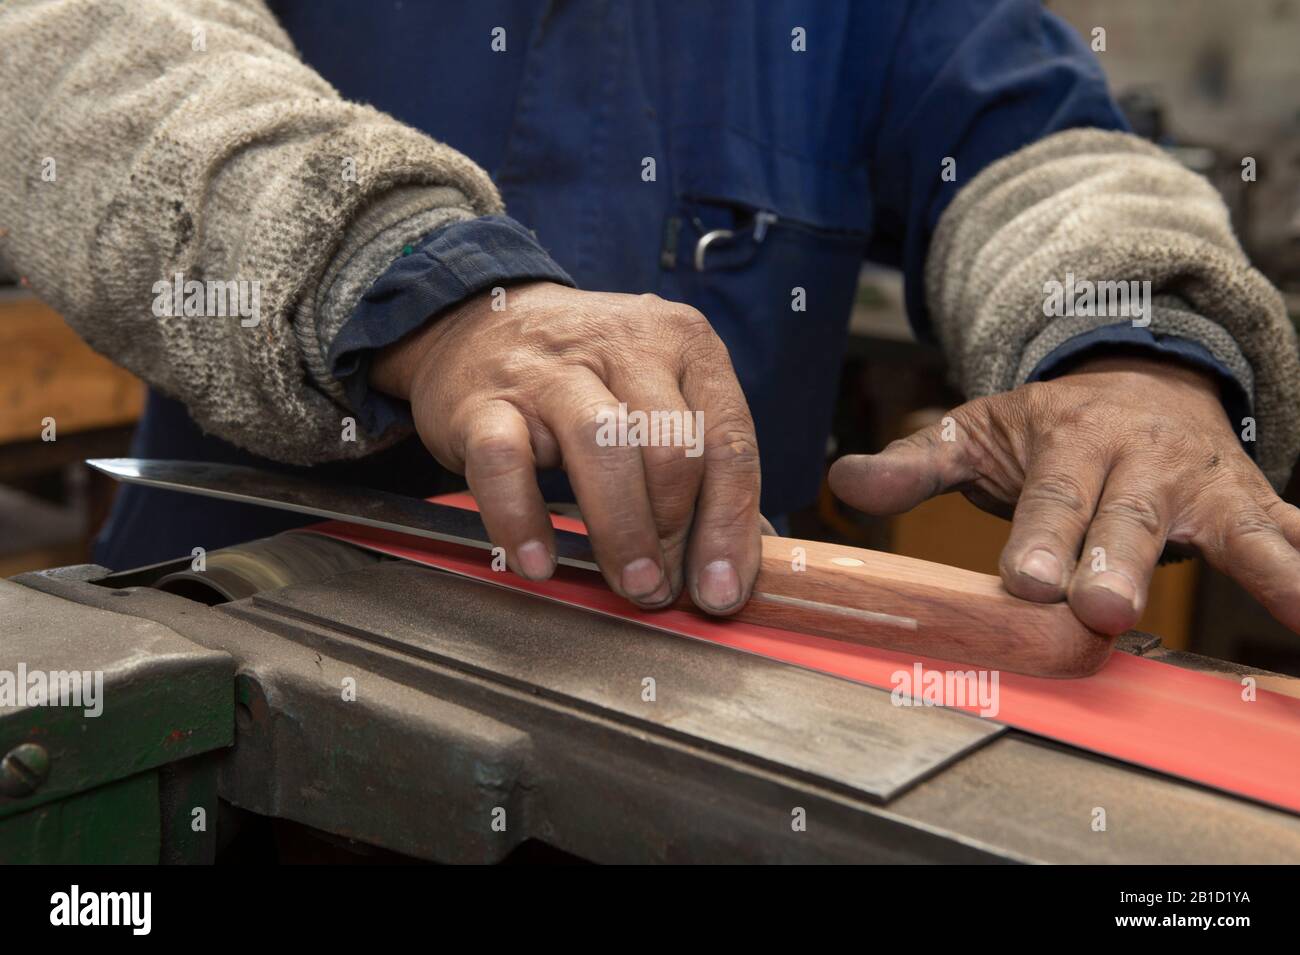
(339, 502)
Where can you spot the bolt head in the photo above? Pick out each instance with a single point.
(23, 770)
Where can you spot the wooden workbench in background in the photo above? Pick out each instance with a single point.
(46, 371)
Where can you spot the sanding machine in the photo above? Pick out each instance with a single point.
(302, 697)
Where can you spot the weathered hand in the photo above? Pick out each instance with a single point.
(1104, 466)
(498, 393)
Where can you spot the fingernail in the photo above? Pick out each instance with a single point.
(535, 561)
(719, 585)
(642, 578)
(660, 597)
(1042, 566)
(1117, 584)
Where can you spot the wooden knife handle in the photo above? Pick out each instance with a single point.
(901, 603)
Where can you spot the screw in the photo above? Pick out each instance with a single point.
(23, 770)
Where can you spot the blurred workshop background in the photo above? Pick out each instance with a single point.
(1210, 80)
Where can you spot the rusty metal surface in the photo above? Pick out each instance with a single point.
(839, 734)
(156, 697)
(435, 743)
(1059, 795)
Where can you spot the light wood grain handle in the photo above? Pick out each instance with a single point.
(901, 603)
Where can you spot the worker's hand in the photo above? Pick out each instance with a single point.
(498, 393)
(1104, 466)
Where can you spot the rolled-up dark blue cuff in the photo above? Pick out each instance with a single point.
(449, 265)
(1125, 335)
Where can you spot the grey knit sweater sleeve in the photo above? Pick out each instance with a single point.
(142, 139)
(1105, 207)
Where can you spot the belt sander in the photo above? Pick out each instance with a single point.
(372, 685)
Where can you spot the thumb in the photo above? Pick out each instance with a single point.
(911, 470)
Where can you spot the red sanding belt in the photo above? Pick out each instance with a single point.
(1193, 725)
